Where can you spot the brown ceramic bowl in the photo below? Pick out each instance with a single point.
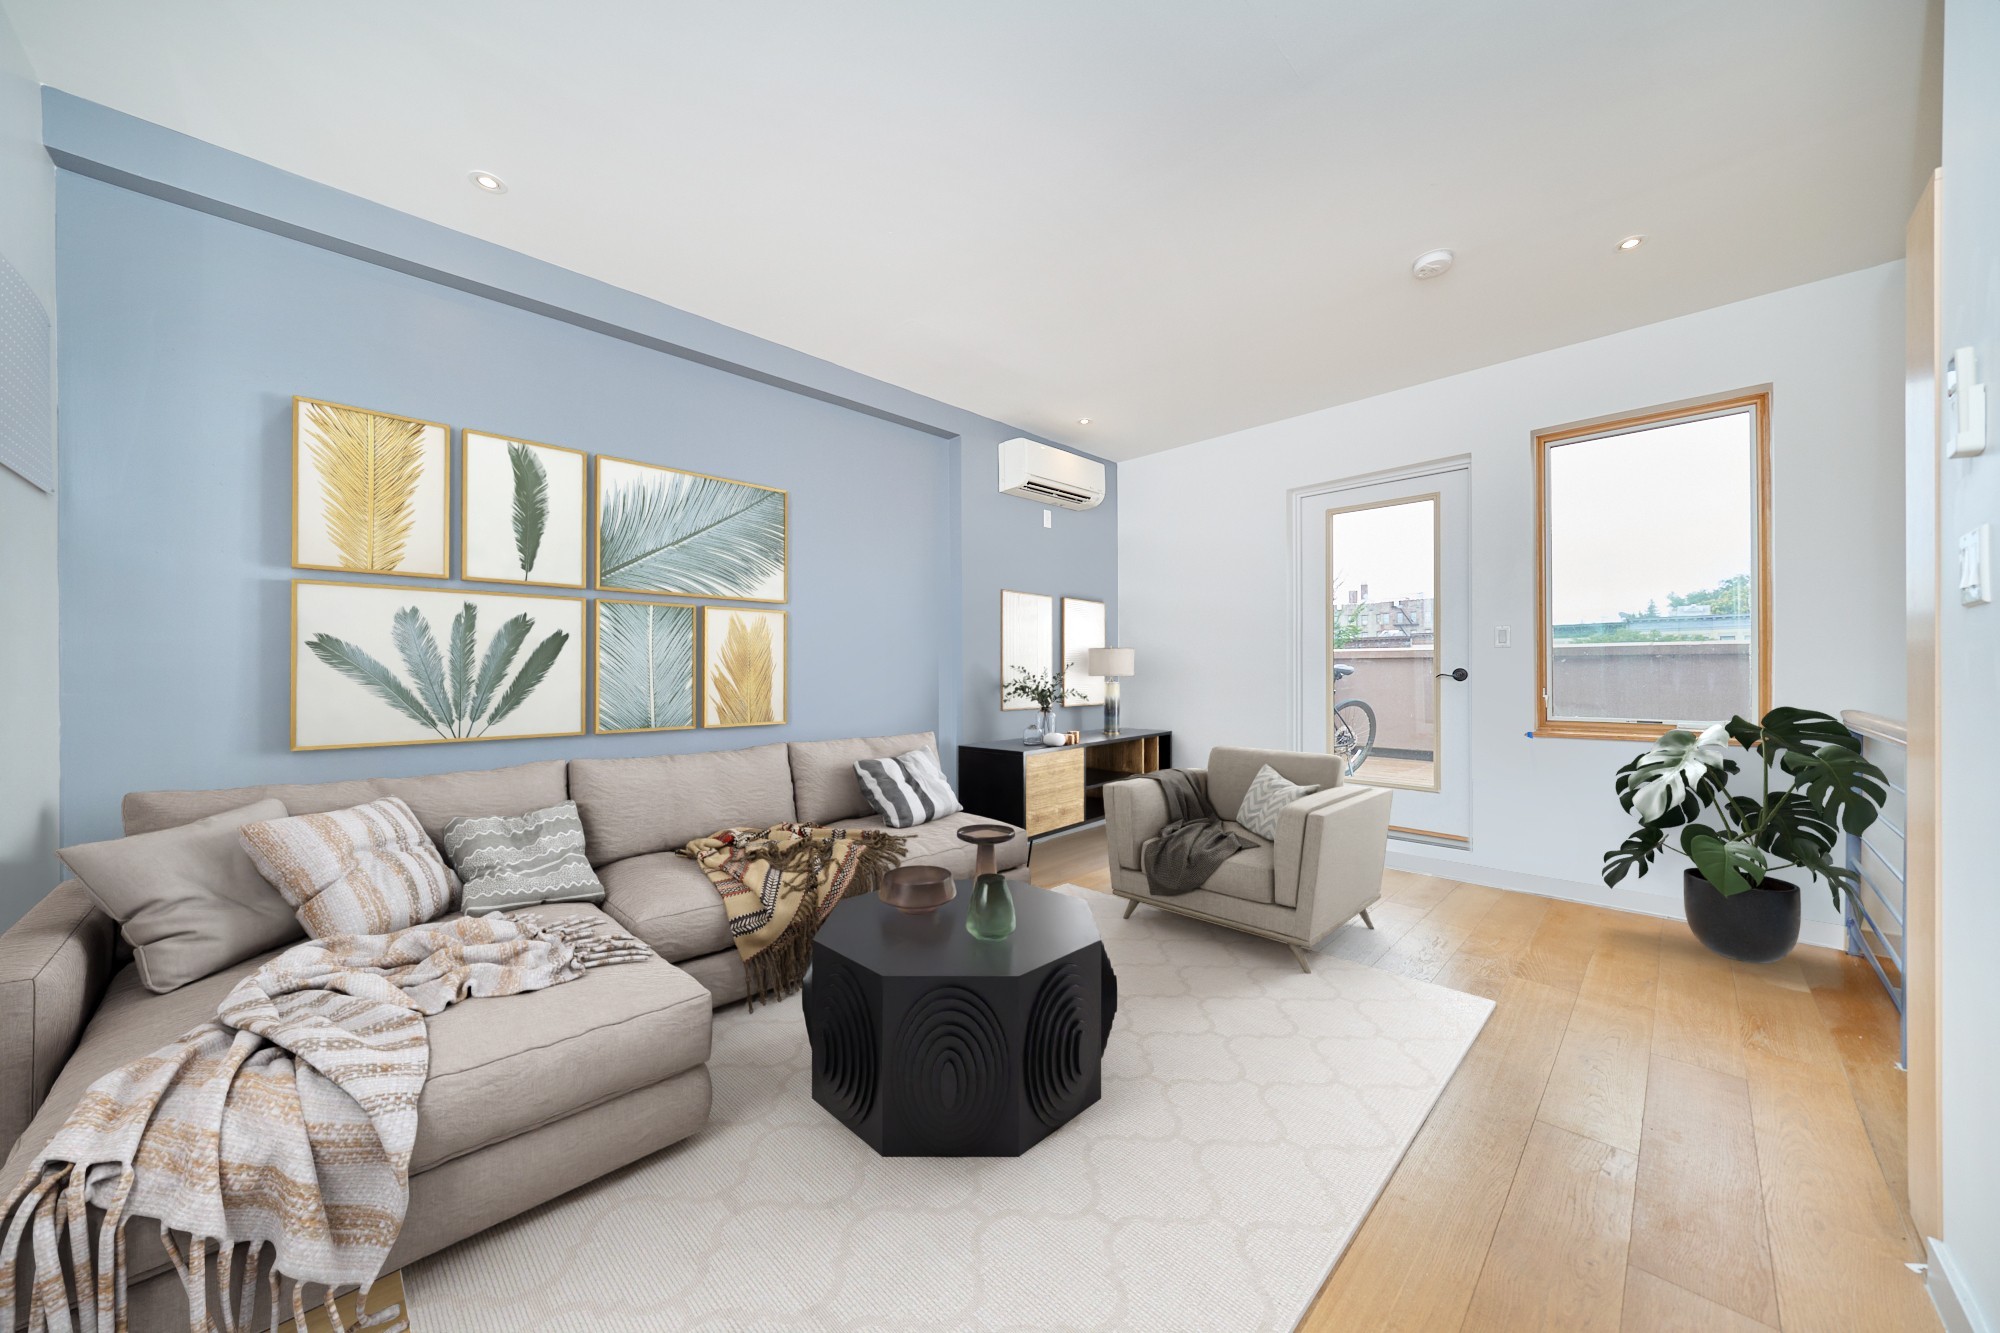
(918, 888)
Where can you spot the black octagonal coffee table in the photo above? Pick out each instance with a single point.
(929, 1042)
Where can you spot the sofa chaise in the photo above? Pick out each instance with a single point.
(529, 1096)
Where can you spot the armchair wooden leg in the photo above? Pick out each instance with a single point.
(1305, 959)
(1131, 906)
(1364, 919)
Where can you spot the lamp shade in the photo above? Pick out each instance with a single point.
(1112, 661)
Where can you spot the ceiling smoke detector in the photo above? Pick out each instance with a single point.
(1431, 264)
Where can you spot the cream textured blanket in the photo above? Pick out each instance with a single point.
(285, 1124)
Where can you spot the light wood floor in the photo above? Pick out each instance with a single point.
(1645, 1137)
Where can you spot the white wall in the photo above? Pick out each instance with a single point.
(28, 688)
(1969, 684)
(1203, 556)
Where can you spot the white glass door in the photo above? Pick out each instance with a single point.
(1381, 672)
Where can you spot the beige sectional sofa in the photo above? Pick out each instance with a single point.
(529, 1096)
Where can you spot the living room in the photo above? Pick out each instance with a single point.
(859, 667)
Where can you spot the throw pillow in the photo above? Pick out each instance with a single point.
(1270, 791)
(187, 899)
(506, 861)
(362, 871)
(907, 790)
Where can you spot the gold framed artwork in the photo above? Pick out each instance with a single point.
(523, 511)
(385, 664)
(371, 491)
(1027, 640)
(644, 668)
(744, 678)
(660, 529)
(1082, 630)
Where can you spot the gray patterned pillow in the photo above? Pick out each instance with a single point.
(507, 861)
(1270, 791)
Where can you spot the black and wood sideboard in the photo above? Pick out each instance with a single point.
(1046, 789)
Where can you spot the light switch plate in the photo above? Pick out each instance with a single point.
(1975, 566)
(1048, 518)
(1503, 636)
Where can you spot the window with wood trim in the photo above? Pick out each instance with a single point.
(1653, 570)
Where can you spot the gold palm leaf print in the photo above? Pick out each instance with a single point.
(742, 681)
(369, 467)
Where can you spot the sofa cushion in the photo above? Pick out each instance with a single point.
(1246, 876)
(1230, 770)
(188, 900)
(54, 964)
(668, 902)
(823, 776)
(434, 798)
(499, 1065)
(661, 803)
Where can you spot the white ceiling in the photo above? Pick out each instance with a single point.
(1176, 218)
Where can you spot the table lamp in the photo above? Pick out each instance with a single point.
(1111, 663)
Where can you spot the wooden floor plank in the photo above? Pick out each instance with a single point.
(1425, 891)
(1698, 1215)
(1598, 1086)
(1654, 1305)
(1694, 1006)
(1559, 952)
(1866, 1032)
(1417, 1258)
(1838, 1242)
(1423, 951)
(1557, 1260)
(1625, 967)
(1779, 1020)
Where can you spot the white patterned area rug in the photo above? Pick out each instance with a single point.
(1251, 1115)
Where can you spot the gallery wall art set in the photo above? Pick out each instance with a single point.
(391, 664)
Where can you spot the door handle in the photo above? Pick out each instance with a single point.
(1456, 673)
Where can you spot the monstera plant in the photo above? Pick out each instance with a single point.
(1809, 784)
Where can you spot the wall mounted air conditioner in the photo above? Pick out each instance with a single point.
(1048, 475)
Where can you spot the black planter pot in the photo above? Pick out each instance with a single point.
(1760, 926)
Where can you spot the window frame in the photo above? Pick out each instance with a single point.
(1758, 403)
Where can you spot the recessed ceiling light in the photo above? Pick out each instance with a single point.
(1430, 264)
(488, 182)
(1083, 421)
(1631, 243)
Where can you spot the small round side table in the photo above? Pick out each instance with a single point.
(985, 837)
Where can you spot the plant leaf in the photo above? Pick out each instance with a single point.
(369, 466)
(1842, 786)
(682, 533)
(411, 633)
(1732, 866)
(530, 675)
(531, 503)
(743, 683)
(464, 647)
(1637, 852)
(645, 666)
(493, 666)
(355, 664)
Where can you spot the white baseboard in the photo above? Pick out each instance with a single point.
(1639, 901)
(1956, 1305)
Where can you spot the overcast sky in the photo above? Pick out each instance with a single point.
(1635, 517)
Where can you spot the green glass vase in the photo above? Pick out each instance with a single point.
(991, 916)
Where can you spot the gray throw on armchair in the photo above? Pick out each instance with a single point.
(1324, 868)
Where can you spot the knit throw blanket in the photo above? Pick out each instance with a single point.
(778, 884)
(284, 1124)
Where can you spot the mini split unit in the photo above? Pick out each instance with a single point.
(1044, 473)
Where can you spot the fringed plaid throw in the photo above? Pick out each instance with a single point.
(278, 1134)
(778, 884)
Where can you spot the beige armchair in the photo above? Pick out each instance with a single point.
(1324, 869)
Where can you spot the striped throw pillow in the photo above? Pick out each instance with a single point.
(907, 790)
(362, 871)
(507, 861)
(1270, 791)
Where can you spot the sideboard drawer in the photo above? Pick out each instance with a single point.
(1055, 790)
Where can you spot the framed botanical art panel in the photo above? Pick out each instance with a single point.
(1027, 640)
(645, 666)
(522, 509)
(1082, 629)
(663, 530)
(376, 664)
(743, 677)
(371, 491)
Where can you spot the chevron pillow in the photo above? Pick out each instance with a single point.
(1269, 793)
(907, 790)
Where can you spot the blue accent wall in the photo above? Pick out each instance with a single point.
(201, 291)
